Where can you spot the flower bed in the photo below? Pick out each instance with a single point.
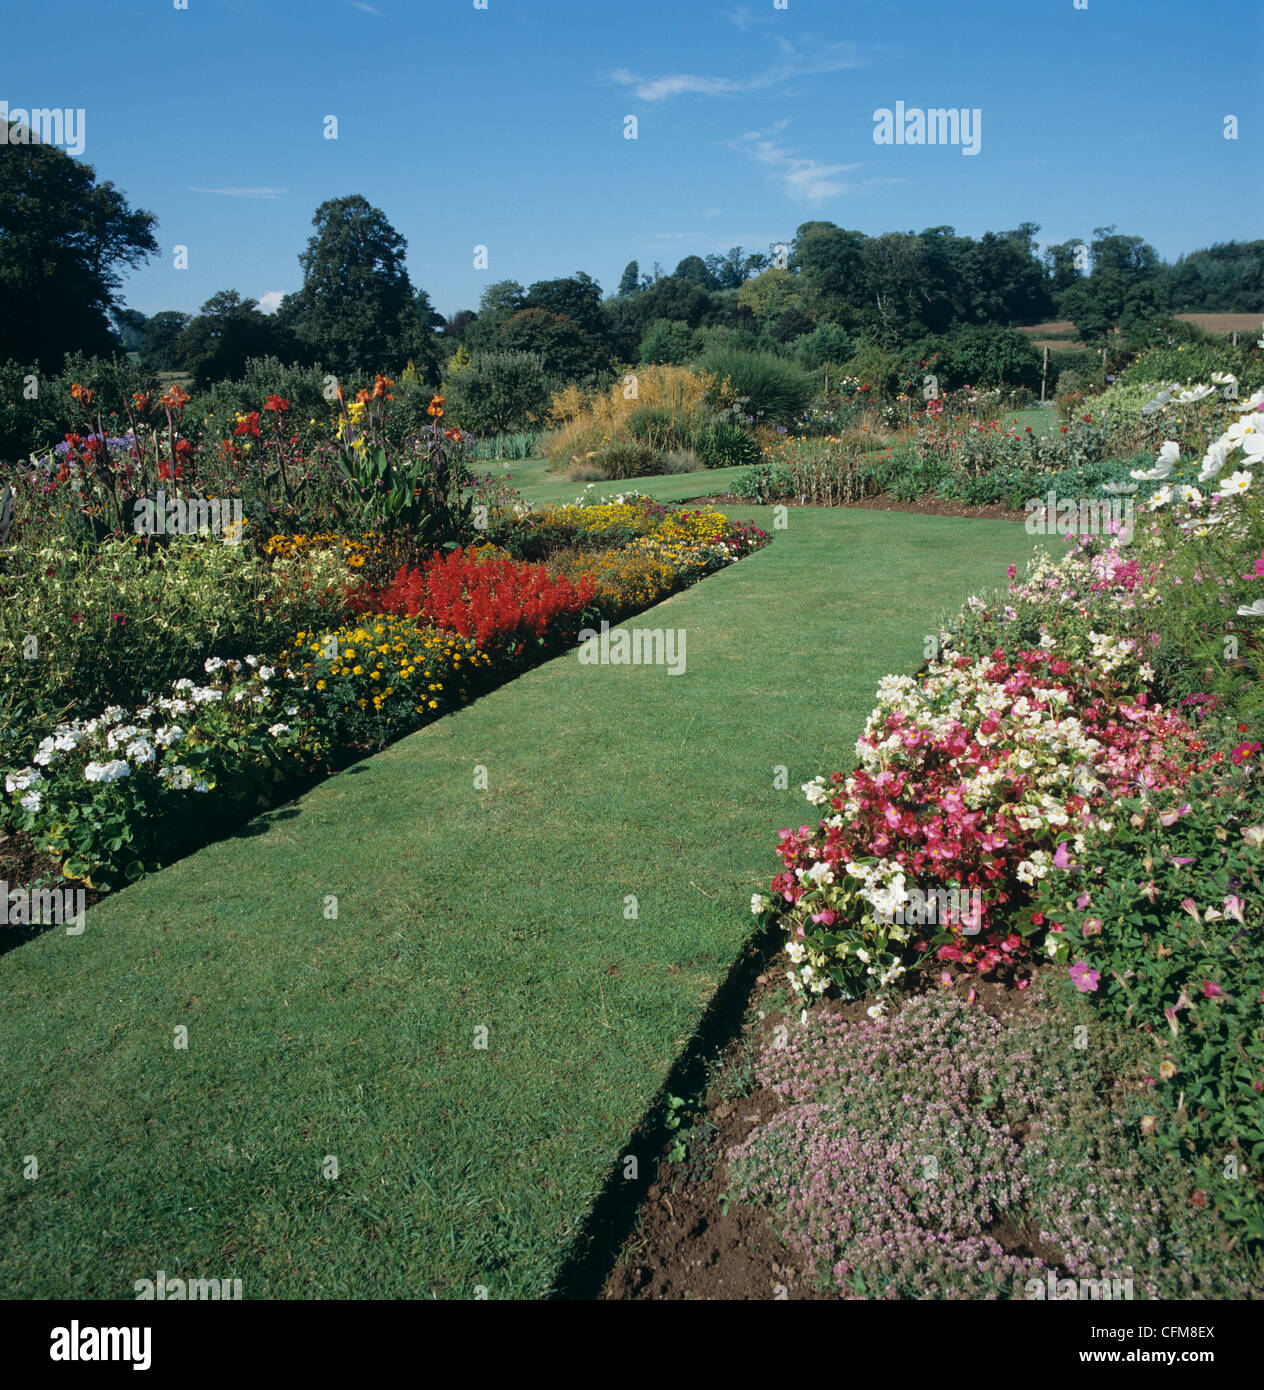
(350, 663)
(1060, 780)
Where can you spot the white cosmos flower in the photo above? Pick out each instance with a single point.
(1189, 493)
(1169, 457)
(1254, 610)
(1198, 393)
(1161, 498)
(1234, 485)
(1214, 459)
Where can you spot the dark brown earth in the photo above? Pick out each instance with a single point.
(691, 1242)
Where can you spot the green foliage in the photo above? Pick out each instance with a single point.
(34, 425)
(227, 332)
(498, 392)
(64, 241)
(357, 307)
(722, 441)
(665, 341)
(771, 389)
(826, 345)
(117, 621)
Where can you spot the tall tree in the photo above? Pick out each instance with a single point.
(630, 281)
(63, 240)
(357, 309)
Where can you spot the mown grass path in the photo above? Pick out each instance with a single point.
(356, 1039)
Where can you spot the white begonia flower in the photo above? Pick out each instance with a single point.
(276, 730)
(266, 673)
(815, 791)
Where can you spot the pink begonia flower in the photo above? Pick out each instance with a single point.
(1084, 979)
(945, 978)
(972, 996)
(825, 919)
(1212, 991)
(1011, 571)
(1233, 908)
(1060, 855)
(1022, 984)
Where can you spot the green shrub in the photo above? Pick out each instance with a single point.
(722, 441)
(768, 388)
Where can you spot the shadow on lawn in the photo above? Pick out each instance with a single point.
(20, 862)
(613, 1216)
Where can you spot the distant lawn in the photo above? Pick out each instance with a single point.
(458, 909)
(538, 486)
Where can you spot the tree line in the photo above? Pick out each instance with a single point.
(65, 240)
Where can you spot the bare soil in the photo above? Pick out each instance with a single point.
(692, 1242)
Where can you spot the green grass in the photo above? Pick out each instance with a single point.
(457, 910)
(538, 486)
(1041, 421)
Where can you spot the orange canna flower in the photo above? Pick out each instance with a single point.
(81, 394)
(175, 399)
(140, 399)
(363, 397)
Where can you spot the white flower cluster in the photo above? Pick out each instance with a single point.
(1246, 434)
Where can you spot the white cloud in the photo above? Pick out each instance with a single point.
(244, 192)
(368, 9)
(270, 302)
(830, 57)
(804, 180)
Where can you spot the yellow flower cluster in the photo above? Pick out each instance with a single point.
(355, 552)
(400, 668)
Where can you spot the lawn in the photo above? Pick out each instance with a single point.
(357, 1041)
(532, 478)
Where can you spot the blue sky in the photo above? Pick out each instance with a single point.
(504, 127)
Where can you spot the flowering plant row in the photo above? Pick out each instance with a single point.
(968, 776)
